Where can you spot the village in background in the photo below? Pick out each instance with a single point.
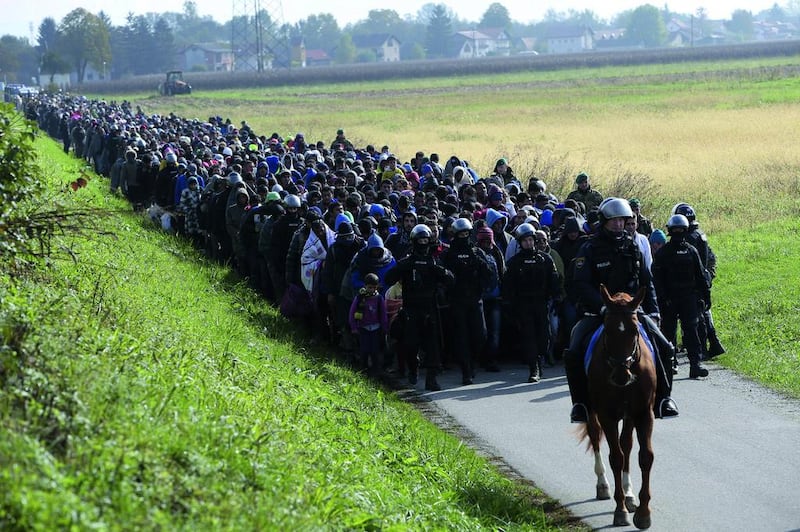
(84, 47)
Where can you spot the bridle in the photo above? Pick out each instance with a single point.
(630, 360)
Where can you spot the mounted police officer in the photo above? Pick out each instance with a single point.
(421, 275)
(682, 289)
(531, 281)
(611, 257)
(472, 274)
(697, 238)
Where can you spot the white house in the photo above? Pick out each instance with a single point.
(481, 43)
(385, 46)
(563, 39)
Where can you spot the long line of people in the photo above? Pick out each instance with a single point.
(428, 263)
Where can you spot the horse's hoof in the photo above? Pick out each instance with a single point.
(630, 504)
(603, 493)
(621, 518)
(641, 522)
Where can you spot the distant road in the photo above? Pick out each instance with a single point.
(729, 462)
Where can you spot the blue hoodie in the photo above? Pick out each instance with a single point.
(492, 215)
(338, 221)
(364, 263)
(501, 239)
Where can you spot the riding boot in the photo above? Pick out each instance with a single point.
(664, 406)
(578, 387)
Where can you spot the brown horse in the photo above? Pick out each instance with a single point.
(622, 386)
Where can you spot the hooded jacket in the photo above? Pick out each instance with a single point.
(364, 263)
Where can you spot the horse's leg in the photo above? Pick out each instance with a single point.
(626, 442)
(644, 433)
(615, 458)
(602, 489)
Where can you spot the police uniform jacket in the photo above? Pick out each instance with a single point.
(678, 272)
(615, 262)
(470, 269)
(421, 276)
(531, 278)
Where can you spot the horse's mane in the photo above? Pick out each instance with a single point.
(620, 298)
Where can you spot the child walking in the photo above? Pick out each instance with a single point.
(370, 322)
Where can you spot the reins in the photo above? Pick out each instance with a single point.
(635, 353)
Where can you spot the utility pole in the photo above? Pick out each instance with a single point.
(256, 31)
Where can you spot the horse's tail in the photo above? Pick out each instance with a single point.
(590, 431)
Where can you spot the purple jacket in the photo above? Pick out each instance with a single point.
(372, 310)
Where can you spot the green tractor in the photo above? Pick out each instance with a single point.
(174, 84)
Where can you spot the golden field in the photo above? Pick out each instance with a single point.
(726, 146)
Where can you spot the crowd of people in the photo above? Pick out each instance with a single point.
(405, 265)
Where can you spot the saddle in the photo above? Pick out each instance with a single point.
(587, 359)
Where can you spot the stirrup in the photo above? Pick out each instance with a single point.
(666, 408)
(579, 413)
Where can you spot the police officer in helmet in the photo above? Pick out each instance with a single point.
(472, 274)
(611, 257)
(421, 275)
(697, 238)
(682, 289)
(531, 281)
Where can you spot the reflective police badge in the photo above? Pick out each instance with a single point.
(579, 262)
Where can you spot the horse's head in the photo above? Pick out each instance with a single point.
(621, 339)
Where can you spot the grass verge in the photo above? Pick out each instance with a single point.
(756, 305)
(142, 388)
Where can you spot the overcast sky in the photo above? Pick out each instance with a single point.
(22, 17)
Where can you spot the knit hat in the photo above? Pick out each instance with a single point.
(485, 234)
(658, 237)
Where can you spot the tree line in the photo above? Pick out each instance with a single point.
(149, 44)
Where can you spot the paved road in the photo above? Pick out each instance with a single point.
(729, 462)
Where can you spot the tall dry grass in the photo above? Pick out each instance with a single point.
(726, 147)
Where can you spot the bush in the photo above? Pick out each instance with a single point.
(18, 178)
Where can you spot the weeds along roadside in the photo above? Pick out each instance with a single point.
(139, 386)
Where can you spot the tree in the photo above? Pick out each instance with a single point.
(52, 63)
(646, 26)
(319, 31)
(85, 40)
(47, 38)
(346, 50)
(366, 56)
(496, 16)
(378, 21)
(412, 52)
(139, 45)
(438, 33)
(18, 58)
(776, 13)
(164, 41)
(741, 23)
(190, 10)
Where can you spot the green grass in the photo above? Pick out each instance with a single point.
(757, 301)
(141, 388)
(287, 94)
